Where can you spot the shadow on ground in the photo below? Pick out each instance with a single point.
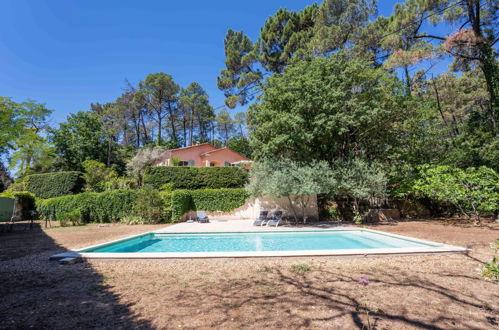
(38, 293)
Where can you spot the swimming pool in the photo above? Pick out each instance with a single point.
(264, 244)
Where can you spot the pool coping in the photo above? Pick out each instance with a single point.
(437, 248)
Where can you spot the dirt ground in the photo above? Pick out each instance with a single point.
(429, 292)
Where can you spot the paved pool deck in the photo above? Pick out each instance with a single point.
(235, 226)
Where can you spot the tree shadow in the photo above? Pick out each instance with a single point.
(38, 293)
(282, 298)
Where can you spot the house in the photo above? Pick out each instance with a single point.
(203, 155)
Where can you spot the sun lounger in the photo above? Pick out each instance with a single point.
(276, 219)
(262, 219)
(202, 217)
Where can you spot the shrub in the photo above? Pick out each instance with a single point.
(51, 208)
(196, 177)
(25, 201)
(180, 204)
(56, 184)
(472, 190)
(113, 205)
(490, 270)
(74, 217)
(224, 200)
(148, 206)
(166, 199)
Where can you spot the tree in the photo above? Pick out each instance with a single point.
(80, 138)
(10, 123)
(241, 73)
(295, 181)
(142, 159)
(225, 125)
(241, 145)
(97, 175)
(160, 93)
(472, 190)
(325, 109)
(474, 41)
(196, 113)
(359, 180)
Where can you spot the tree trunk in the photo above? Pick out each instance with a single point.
(293, 209)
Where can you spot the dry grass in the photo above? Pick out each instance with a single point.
(435, 292)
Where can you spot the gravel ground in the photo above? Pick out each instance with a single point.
(436, 292)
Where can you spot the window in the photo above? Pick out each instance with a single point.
(212, 164)
(183, 163)
(226, 163)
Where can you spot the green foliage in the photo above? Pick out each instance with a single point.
(326, 109)
(295, 180)
(300, 268)
(74, 217)
(80, 138)
(472, 190)
(97, 176)
(224, 200)
(50, 208)
(181, 203)
(113, 205)
(108, 206)
(24, 200)
(149, 206)
(490, 270)
(241, 145)
(196, 177)
(55, 184)
(142, 159)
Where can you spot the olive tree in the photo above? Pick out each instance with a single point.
(296, 181)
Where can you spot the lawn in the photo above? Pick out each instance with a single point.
(437, 292)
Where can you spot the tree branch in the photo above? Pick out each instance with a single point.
(429, 36)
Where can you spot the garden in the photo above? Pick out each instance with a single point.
(382, 114)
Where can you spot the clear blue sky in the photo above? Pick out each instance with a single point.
(69, 54)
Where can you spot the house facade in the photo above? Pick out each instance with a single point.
(202, 155)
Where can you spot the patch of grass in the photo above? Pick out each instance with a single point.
(300, 268)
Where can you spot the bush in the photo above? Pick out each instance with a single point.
(224, 200)
(113, 205)
(74, 217)
(52, 208)
(471, 190)
(181, 203)
(56, 184)
(128, 206)
(25, 201)
(148, 206)
(196, 177)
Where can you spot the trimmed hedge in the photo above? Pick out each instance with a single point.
(55, 184)
(224, 200)
(114, 205)
(181, 204)
(196, 177)
(109, 206)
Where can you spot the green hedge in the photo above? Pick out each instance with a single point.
(114, 205)
(109, 206)
(224, 200)
(25, 201)
(56, 184)
(181, 203)
(196, 177)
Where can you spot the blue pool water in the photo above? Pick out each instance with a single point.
(258, 241)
